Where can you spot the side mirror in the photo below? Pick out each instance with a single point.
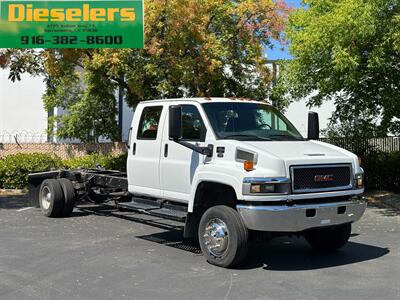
(313, 126)
(175, 122)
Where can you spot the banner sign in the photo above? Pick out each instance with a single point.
(71, 24)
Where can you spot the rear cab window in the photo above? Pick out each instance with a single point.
(149, 123)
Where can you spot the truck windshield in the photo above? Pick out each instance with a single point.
(249, 122)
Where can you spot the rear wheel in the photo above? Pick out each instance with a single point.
(330, 238)
(51, 198)
(69, 196)
(223, 236)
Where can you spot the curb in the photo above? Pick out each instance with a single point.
(13, 192)
(388, 199)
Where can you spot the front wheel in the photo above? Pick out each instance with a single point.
(330, 238)
(223, 236)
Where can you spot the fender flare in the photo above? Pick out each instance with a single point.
(216, 177)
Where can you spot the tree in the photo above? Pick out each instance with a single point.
(348, 51)
(193, 48)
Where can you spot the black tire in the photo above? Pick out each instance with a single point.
(69, 196)
(330, 238)
(51, 198)
(235, 246)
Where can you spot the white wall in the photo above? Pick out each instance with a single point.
(297, 113)
(127, 116)
(22, 112)
(21, 109)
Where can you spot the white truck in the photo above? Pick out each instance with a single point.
(230, 169)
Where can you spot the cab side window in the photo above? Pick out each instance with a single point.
(149, 123)
(192, 125)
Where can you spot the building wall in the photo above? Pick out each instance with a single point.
(22, 115)
(297, 113)
(21, 108)
(126, 121)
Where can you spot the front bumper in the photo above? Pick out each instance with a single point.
(297, 218)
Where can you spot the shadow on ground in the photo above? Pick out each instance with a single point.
(293, 254)
(281, 254)
(13, 202)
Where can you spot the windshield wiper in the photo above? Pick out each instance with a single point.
(285, 135)
(246, 135)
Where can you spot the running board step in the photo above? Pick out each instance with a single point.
(168, 213)
(154, 208)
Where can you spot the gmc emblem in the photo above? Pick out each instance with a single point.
(323, 178)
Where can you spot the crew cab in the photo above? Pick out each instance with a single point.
(228, 169)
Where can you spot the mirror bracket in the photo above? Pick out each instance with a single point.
(208, 151)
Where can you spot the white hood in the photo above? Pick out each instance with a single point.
(292, 153)
(288, 150)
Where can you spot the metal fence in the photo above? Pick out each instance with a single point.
(22, 137)
(380, 160)
(31, 137)
(368, 145)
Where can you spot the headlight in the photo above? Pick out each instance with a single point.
(262, 188)
(359, 181)
(263, 185)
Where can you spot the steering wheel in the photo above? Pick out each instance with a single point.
(264, 124)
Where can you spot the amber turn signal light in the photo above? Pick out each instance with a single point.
(248, 165)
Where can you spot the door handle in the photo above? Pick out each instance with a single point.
(134, 149)
(166, 150)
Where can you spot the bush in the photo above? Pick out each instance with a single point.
(93, 160)
(14, 169)
(382, 171)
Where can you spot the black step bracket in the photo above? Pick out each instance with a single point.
(139, 205)
(169, 214)
(156, 208)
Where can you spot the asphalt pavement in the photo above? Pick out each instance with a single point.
(100, 253)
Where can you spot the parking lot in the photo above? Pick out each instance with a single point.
(100, 253)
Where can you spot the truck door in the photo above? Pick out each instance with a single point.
(178, 163)
(144, 156)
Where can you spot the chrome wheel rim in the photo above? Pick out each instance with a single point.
(46, 198)
(216, 237)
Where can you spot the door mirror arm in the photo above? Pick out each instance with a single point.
(208, 151)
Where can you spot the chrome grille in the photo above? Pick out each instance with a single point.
(320, 178)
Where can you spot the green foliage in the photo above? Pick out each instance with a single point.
(15, 168)
(382, 171)
(351, 134)
(93, 160)
(193, 48)
(349, 51)
(117, 162)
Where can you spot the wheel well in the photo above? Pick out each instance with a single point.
(208, 194)
(213, 193)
